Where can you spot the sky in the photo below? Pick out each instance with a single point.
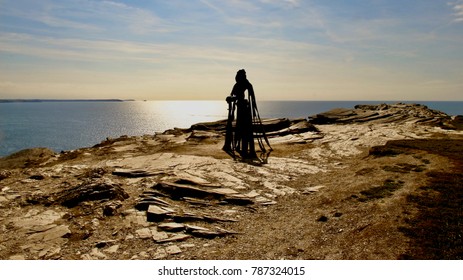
(192, 49)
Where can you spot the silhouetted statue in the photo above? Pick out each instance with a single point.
(248, 123)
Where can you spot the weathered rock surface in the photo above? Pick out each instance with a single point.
(176, 195)
(271, 127)
(134, 173)
(42, 235)
(387, 113)
(27, 158)
(88, 191)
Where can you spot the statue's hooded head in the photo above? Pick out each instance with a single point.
(240, 76)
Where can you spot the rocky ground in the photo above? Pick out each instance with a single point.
(374, 182)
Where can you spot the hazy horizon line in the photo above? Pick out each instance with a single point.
(5, 100)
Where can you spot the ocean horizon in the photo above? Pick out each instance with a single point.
(70, 124)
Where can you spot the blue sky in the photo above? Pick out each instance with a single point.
(291, 49)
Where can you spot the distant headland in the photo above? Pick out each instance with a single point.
(63, 100)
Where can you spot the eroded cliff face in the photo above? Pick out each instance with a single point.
(322, 193)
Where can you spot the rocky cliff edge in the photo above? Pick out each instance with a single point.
(338, 185)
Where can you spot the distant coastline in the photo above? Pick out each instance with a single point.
(63, 100)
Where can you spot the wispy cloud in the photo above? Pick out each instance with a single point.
(255, 17)
(86, 16)
(138, 20)
(458, 10)
(57, 22)
(292, 45)
(285, 3)
(65, 49)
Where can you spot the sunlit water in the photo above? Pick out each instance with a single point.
(71, 125)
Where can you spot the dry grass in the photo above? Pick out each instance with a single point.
(436, 231)
(365, 212)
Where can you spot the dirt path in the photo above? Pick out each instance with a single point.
(356, 211)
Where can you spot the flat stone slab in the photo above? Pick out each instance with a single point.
(225, 191)
(33, 219)
(208, 233)
(144, 203)
(173, 250)
(252, 194)
(314, 189)
(40, 228)
(238, 199)
(17, 257)
(49, 235)
(158, 213)
(198, 201)
(158, 236)
(136, 173)
(112, 250)
(194, 227)
(171, 226)
(144, 233)
(177, 191)
(175, 238)
(193, 180)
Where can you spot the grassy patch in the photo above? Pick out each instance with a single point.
(446, 147)
(404, 168)
(387, 189)
(451, 148)
(436, 231)
(365, 171)
(384, 151)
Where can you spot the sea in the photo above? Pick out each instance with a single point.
(67, 125)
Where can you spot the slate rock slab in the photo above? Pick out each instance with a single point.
(90, 191)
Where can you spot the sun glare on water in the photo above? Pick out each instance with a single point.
(184, 113)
